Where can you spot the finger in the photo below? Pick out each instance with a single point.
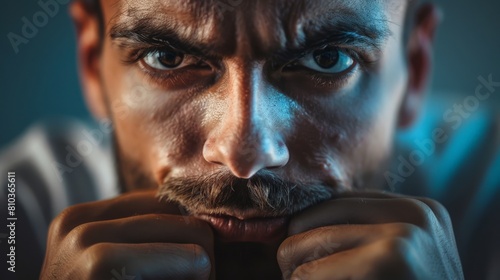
(383, 259)
(362, 210)
(147, 261)
(143, 229)
(437, 208)
(150, 228)
(320, 242)
(135, 203)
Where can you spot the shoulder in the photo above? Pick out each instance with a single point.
(60, 163)
(449, 147)
(53, 165)
(453, 155)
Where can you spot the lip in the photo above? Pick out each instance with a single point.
(260, 230)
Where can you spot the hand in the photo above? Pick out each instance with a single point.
(134, 232)
(371, 236)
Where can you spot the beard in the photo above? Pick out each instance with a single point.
(221, 192)
(264, 193)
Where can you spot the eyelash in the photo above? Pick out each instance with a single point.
(362, 62)
(322, 81)
(171, 77)
(137, 54)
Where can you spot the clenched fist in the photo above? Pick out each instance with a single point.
(354, 236)
(371, 236)
(134, 231)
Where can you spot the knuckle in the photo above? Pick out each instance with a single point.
(391, 260)
(420, 212)
(438, 209)
(61, 224)
(395, 263)
(99, 259)
(80, 236)
(285, 259)
(286, 251)
(396, 247)
(403, 230)
(433, 204)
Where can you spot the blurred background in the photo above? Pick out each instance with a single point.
(40, 81)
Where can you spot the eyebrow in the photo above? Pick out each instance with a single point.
(346, 30)
(343, 28)
(143, 32)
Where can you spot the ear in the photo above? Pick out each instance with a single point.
(419, 57)
(88, 53)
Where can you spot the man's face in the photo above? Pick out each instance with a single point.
(302, 97)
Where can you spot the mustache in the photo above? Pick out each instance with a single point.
(265, 192)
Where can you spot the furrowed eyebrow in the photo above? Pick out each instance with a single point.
(142, 33)
(343, 33)
(346, 29)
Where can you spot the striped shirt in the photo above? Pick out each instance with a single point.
(63, 163)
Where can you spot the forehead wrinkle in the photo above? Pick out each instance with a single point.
(287, 24)
(279, 24)
(254, 28)
(264, 27)
(258, 29)
(366, 19)
(273, 26)
(191, 20)
(197, 8)
(293, 14)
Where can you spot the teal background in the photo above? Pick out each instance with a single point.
(40, 82)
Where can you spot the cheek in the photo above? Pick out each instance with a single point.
(350, 132)
(390, 87)
(153, 127)
(328, 132)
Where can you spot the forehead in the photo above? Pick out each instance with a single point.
(253, 26)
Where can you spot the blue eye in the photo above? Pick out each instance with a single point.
(328, 60)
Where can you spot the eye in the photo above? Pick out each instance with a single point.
(328, 60)
(169, 60)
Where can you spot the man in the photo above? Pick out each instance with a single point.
(251, 140)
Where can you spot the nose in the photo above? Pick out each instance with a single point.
(247, 138)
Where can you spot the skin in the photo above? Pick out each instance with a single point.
(245, 113)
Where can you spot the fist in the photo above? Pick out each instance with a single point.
(371, 236)
(132, 235)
